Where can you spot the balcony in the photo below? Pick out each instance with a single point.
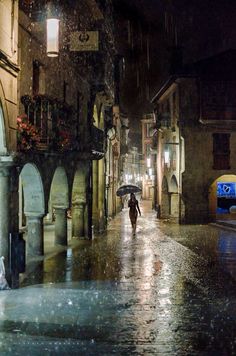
(89, 144)
(46, 125)
(97, 143)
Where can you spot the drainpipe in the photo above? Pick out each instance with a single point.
(12, 26)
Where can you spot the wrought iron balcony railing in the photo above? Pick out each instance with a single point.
(48, 125)
(97, 142)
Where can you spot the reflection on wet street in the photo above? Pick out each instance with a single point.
(215, 245)
(170, 290)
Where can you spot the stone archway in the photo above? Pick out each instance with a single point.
(80, 204)
(165, 201)
(174, 198)
(59, 203)
(34, 207)
(215, 211)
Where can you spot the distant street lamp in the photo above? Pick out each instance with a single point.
(52, 34)
(167, 157)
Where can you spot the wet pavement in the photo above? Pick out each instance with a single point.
(170, 290)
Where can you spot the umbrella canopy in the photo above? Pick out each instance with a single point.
(127, 189)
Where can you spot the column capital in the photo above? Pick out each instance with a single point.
(60, 207)
(34, 215)
(6, 163)
(78, 202)
(4, 171)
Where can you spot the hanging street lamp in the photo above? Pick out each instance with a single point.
(52, 34)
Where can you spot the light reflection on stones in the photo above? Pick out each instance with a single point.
(146, 294)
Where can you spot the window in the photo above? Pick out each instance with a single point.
(221, 151)
(38, 78)
(148, 150)
(36, 72)
(149, 127)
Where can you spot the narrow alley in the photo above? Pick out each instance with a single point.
(101, 100)
(161, 292)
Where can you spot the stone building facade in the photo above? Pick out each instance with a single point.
(53, 123)
(9, 71)
(195, 136)
(147, 123)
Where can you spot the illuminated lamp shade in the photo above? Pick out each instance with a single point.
(167, 157)
(52, 37)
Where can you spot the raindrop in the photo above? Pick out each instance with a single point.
(69, 302)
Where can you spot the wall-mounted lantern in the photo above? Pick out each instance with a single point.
(167, 157)
(52, 34)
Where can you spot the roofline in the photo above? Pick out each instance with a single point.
(168, 83)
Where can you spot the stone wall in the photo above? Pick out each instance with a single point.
(56, 72)
(198, 141)
(9, 68)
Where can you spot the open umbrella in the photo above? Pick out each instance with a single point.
(127, 189)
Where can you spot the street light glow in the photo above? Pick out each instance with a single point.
(52, 37)
(167, 157)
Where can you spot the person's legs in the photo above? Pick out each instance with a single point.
(135, 224)
(132, 221)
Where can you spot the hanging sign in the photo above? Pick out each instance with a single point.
(84, 41)
(226, 190)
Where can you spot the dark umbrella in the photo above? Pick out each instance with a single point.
(127, 189)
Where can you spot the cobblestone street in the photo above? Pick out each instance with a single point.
(170, 290)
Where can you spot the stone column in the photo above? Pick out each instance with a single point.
(78, 220)
(61, 225)
(95, 214)
(174, 205)
(165, 205)
(101, 194)
(35, 246)
(4, 212)
(86, 232)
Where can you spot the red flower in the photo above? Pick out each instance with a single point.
(27, 134)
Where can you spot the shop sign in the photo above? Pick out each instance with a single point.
(84, 41)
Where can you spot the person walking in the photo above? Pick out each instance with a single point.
(133, 211)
